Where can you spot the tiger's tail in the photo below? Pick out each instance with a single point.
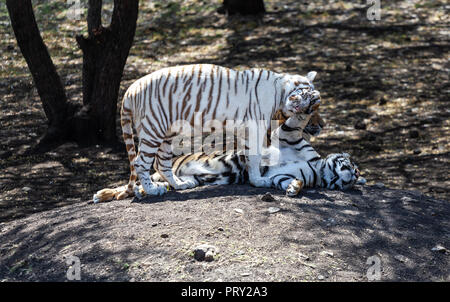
(126, 120)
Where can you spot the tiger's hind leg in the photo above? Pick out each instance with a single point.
(164, 167)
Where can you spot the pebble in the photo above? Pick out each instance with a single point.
(26, 189)
(240, 211)
(164, 236)
(327, 253)
(273, 210)
(205, 252)
(320, 277)
(268, 197)
(379, 185)
(439, 248)
(401, 258)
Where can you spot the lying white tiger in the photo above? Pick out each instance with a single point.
(291, 146)
(289, 131)
(290, 167)
(155, 102)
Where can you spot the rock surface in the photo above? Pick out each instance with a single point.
(153, 239)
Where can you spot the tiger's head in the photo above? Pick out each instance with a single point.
(302, 96)
(339, 172)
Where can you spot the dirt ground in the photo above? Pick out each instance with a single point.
(323, 236)
(385, 95)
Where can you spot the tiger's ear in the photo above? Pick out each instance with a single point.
(311, 75)
(346, 155)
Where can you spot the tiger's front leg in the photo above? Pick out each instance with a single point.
(254, 172)
(142, 164)
(254, 154)
(164, 166)
(294, 187)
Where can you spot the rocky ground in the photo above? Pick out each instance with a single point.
(323, 235)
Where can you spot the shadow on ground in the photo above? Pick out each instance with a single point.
(322, 235)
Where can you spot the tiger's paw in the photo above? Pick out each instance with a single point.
(183, 185)
(294, 188)
(95, 198)
(261, 182)
(154, 190)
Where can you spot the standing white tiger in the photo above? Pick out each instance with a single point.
(155, 102)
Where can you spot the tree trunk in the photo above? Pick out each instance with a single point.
(105, 52)
(43, 71)
(243, 7)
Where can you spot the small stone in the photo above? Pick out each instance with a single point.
(439, 248)
(154, 224)
(26, 189)
(401, 258)
(220, 229)
(379, 185)
(245, 274)
(320, 277)
(164, 236)
(205, 252)
(268, 197)
(273, 210)
(382, 101)
(327, 253)
(417, 151)
(306, 257)
(240, 211)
